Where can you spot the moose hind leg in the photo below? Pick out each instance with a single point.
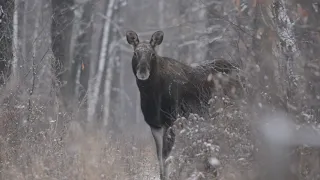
(168, 142)
(157, 134)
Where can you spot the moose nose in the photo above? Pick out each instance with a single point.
(143, 72)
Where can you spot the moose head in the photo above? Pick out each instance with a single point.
(144, 56)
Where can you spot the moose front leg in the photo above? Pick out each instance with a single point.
(157, 134)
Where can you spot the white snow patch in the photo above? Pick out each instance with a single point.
(213, 161)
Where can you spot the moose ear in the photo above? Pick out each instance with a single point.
(132, 38)
(156, 38)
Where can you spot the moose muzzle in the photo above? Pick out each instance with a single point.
(143, 71)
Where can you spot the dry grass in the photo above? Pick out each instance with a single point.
(60, 148)
(81, 154)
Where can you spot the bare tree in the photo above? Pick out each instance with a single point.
(93, 98)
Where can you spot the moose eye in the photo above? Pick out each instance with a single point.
(153, 55)
(135, 54)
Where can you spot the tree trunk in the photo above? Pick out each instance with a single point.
(287, 51)
(161, 24)
(96, 86)
(86, 49)
(7, 16)
(61, 36)
(35, 47)
(108, 88)
(81, 66)
(308, 41)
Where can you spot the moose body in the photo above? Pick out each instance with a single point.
(168, 87)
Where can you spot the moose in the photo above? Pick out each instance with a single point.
(168, 87)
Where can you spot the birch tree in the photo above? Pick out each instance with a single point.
(161, 4)
(112, 59)
(97, 31)
(19, 52)
(93, 99)
(38, 7)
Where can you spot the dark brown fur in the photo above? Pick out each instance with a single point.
(183, 88)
